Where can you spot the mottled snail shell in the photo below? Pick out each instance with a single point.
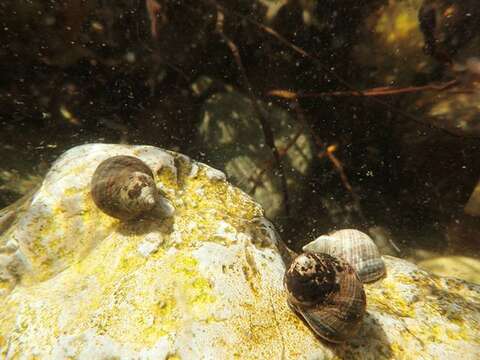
(354, 246)
(327, 293)
(123, 187)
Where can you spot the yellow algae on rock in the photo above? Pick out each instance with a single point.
(462, 267)
(205, 282)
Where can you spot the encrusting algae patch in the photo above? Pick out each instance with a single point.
(202, 282)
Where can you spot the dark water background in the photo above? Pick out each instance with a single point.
(332, 114)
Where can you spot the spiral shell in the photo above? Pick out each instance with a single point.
(354, 246)
(123, 187)
(327, 293)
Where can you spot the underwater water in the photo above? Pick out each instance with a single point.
(330, 115)
(354, 115)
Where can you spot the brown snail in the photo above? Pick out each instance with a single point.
(355, 247)
(327, 293)
(325, 283)
(124, 187)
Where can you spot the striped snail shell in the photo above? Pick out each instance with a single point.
(327, 293)
(123, 187)
(354, 246)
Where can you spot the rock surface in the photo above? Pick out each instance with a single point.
(205, 283)
(463, 267)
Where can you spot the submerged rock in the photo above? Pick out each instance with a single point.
(473, 205)
(390, 35)
(205, 282)
(231, 136)
(393, 34)
(463, 267)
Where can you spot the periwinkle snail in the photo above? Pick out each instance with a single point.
(355, 247)
(124, 187)
(323, 284)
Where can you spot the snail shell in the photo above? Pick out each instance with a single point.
(123, 187)
(354, 246)
(327, 293)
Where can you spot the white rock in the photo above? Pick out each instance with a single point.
(95, 288)
(150, 244)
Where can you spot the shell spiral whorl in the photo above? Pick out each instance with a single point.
(354, 246)
(327, 293)
(310, 279)
(123, 187)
